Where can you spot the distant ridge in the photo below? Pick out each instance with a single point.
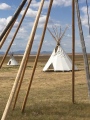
(21, 52)
(1, 53)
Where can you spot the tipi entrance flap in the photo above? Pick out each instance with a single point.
(51, 66)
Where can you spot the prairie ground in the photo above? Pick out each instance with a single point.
(50, 97)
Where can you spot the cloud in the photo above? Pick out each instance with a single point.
(22, 35)
(88, 36)
(84, 16)
(62, 2)
(5, 21)
(30, 13)
(65, 3)
(68, 35)
(42, 21)
(84, 9)
(25, 30)
(4, 6)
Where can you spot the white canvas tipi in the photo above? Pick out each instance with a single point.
(59, 60)
(12, 61)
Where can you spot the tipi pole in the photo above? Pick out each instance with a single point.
(86, 64)
(55, 31)
(15, 34)
(38, 53)
(28, 48)
(13, 19)
(73, 50)
(51, 34)
(62, 34)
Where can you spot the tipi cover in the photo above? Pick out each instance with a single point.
(59, 61)
(12, 61)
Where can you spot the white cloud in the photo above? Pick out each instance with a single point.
(30, 13)
(8, 19)
(65, 3)
(31, 24)
(35, 4)
(84, 9)
(84, 16)
(42, 21)
(5, 21)
(68, 35)
(88, 36)
(22, 34)
(4, 6)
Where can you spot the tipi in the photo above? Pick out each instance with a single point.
(59, 60)
(12, 61)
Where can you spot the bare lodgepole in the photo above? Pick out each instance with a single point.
(86, 64)
(73, 51)
(16, 14)
(28, 48)
(3, 59)
(37, 56)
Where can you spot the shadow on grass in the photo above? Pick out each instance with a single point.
(56, 71)
(54, 111)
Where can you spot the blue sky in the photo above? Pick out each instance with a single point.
(60, 16)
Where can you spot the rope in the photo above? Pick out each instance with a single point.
(88, 16)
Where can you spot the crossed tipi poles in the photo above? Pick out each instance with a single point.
(57, 36)
(19, 77)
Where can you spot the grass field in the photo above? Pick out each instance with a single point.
(50, 96)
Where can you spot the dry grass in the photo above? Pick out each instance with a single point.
(50, 96)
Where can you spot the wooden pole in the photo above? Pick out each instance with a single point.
(55, 31)
(38, 53)
(52, 34)
(86, 64)
(62, 34)
(13, 18)
(3, 59)
(73, 50)
(28, 48)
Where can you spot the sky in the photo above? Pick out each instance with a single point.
(60, 18)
